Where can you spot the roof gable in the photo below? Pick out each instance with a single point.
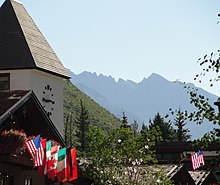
(28, 114)
(22, 45)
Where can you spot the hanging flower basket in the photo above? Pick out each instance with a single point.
(12, 141)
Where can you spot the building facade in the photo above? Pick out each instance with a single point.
(31, 91)
(27, 61)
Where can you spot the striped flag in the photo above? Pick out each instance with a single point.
(35, 149)
(43, 151)
(197, 159)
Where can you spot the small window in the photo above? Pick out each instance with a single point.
(27, 181)
(4, 81)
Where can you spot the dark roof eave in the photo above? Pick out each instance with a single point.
(53, 73)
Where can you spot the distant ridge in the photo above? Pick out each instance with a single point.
(140, 101)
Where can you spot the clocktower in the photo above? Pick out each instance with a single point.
(27, 61)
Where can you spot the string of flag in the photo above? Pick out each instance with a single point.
(53, 161)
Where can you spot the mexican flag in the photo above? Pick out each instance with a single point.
(48, 154)
(62, 165)
(52, 162)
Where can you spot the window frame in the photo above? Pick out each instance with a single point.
(6, 75)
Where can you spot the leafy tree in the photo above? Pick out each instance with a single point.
(205, 110)
(119, 158)
(82, 124)
(153, 132)
(210, 64)
(181, 132)
(165, 128)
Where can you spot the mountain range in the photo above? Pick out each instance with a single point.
(141, 101)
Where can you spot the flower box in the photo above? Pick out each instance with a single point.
(12, 141)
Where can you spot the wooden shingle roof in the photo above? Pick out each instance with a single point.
(22, 45)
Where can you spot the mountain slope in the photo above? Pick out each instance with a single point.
(97, 114)
(140, 101)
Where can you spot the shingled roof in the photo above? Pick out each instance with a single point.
(22, 45)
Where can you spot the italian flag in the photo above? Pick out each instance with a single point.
(52, 162)
(62, 165)
(48, 154)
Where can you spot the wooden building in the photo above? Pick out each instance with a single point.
(27, 62)
(31, 90)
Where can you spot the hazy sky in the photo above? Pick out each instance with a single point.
(130, 39)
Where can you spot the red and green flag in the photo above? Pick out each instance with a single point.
(48, 154)
(62, 173)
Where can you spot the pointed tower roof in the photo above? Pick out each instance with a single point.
(22, 45)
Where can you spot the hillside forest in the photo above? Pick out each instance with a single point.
(108, 147)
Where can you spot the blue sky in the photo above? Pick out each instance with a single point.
(130, 39)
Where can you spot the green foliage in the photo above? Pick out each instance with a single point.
(97, 114)
(154, 133)
(204, 110)
(119, 158)
(134, 128)
(181, 132)
(167, 131)
(82, 124)
(124, 121)
(112, 155)
(70, 132)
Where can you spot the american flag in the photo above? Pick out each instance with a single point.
(36, 150)
(197, 159)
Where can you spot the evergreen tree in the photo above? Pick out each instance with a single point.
(70, 132)
(143, 128)
(134, 128)
(153, 133)
(82, 124)
(166, 129)
(181, 132)
(66, 134)
(124, 121)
